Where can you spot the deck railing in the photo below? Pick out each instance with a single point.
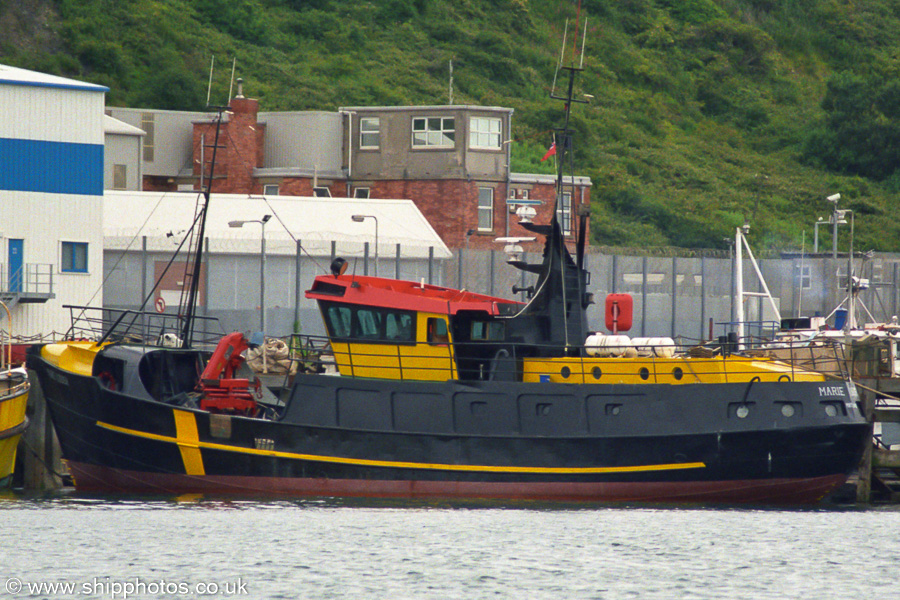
(141, 327)
(682, 362)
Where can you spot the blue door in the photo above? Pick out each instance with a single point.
(16, 272)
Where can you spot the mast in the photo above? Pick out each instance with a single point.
(563, 140)
(193, 270)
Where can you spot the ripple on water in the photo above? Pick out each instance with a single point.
(340, 549)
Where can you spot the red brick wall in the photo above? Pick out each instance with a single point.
(303, 186)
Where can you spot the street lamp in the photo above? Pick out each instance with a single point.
(821, 221)
(262, 265)
(851, 321)
(834, 222)
(360, 219)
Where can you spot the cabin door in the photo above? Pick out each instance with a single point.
(16, 249)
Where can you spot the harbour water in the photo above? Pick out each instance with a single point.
(76, 546)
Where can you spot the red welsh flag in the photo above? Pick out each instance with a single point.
(550, 152)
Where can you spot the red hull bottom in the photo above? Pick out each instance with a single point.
(92, 478)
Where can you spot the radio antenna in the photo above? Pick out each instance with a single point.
(583, 39)
(451, 83)
(212, 62)
(231, 85)
(562, 51)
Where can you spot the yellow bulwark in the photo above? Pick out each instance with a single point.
(678, 370)
(74, 357)
(430, 358)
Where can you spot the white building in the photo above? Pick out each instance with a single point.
(302, 234)
(51, 197)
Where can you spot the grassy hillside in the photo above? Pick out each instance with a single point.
(703, 113)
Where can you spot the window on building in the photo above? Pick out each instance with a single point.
(484, 133)
(434, 132)
(322, 192)
(148, 125)
(270, 189)
(74, 257)
(361, 192)
(485, 209)
(120, 177)
(369, 132)
(804, 276)
(564, 213)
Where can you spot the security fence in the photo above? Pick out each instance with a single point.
(689, 296)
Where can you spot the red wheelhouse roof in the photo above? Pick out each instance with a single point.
(406, 295)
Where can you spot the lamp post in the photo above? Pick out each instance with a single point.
(262, 265)
(851, 320)
(821, 221)
(834, 222)
(360, 219)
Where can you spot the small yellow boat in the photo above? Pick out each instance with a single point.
(14, 388)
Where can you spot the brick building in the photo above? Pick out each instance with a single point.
(451, 161)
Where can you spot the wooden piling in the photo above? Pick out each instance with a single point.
(39, 447)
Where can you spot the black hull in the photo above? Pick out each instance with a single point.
(351, 437)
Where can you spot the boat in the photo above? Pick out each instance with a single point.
(14, 387)
(423, 391)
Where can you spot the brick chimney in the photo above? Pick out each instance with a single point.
(240, 145)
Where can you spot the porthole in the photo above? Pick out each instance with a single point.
(677, 373)
(645, 373)
(831, 410)
(565, 372)
(613, 409)
(596, 372)
(787, 410)
(742, 411)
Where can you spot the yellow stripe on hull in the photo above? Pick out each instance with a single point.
(412, 465)
(188, 441)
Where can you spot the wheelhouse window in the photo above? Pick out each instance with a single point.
(484, 133)
(564, 213)
(485, 209)
(488, 331)
(370, 324)
(369, 133)
(322, 192)
(437, 331)
(74, 257)
(433, 132)
(361, 192)
(270, 189)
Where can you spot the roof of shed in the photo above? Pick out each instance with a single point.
(16, 76)
(316, 222)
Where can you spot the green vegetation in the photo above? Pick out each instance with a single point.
(702, 113)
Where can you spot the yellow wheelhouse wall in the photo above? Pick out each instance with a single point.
(425, 360)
